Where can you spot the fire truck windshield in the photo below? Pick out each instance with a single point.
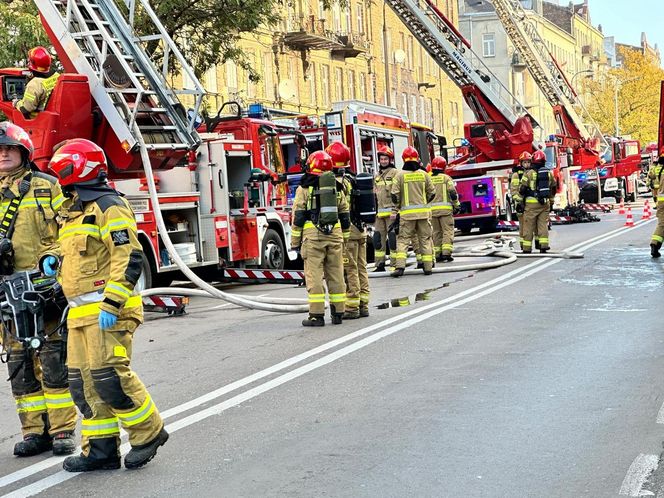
(273, 157)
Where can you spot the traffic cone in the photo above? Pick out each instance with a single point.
(622, 207)
(630, 218)
(646, 211)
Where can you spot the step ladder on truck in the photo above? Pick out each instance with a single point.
(503, 129)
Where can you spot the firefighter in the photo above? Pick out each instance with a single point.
(515, 186)
(41, 84)
(538, 187)
(321, 223)
(657, 187)
(38, 382)
(355, 248)
(412, 190)
(101, 263)
(387, 212)
(445, 204)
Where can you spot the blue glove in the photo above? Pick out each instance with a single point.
(50, 266)
(107, 320)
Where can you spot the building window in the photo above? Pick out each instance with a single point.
(211, 80)
(339, 83)
(267, 76)
(231, 77)
(438, 116)
(336, 18)
(293, 76)
(489, 44)
(321, 9)
(312, 85)
(349, 22)
(351, 84)
(251, 86)
(454, 115)
(411, 53)
(413, 108)
(363, 86)
(325, 84)
(404, 104)
(360, 17)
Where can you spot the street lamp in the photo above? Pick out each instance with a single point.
(585, 71)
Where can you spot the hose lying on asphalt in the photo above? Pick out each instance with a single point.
(187, 291)
(299, 306)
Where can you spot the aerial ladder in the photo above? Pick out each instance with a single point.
(503, 129)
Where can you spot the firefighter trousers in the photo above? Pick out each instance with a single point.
(381, 226)
(522, 225)
(106, 391)
(417, 231)
(536, 224)
(357, 278)
(39, 385)
(443, 234)
(323, 264)
(658, 236)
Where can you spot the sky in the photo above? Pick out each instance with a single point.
(626, 19)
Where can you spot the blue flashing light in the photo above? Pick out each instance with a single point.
(552, 138)
(256, 111)
(603, 172)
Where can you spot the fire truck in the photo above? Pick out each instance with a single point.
(222, 197)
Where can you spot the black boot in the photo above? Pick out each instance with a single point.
(440, 258)
(364, 311)
(537, 244)
(427, 272)
(64, 443)
(543, 250)
(380, 267)
(142, 454)
(420, 265)
(337, 318)
(32, 445)
(448, 259)
(83, 463)
(314, 321)
(654, 250)
(351, 315)
(398, 272)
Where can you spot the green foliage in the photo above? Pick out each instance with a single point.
(20, 30)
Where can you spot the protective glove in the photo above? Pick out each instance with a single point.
(50, 266)
(107, 320)
(296, 249)
(519, 208)
(456, 210)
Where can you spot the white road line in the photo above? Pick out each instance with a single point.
(660, 415)
(485, 289)
(641, 468)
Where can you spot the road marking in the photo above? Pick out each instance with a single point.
(417, 314)
(641, 468)
(660, 415)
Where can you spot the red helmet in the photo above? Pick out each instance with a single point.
(539, 157)
(14, 135)
(39, 60)
(339, 153)
(410, 154)
(319, 162)
(525, 156)
(78, 161)
(384, 150)
(438, 164)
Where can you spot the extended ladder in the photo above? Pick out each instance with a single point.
(103, 42)
(453, 54)
(542, 65)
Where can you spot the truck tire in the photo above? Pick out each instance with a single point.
(273, 254)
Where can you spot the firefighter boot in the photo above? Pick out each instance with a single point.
(314, 321)
(537, 243)
(654, 250)
(82, 463)
(440, 258)
(32, 445)
(380, 267)
(398, 272)
(420, 266)
(448, 259)
(337, 318)
(351, 315)
(364, 311)
(63, 443)
(142, 454)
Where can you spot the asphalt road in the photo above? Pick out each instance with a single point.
(541, 378)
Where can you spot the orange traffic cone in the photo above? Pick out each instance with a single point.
(622, 207)
(630, 218)
(646, 211)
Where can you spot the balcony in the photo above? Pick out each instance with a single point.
(354, 44)
(309, 33)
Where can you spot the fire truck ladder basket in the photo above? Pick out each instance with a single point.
(453, 56)
(101, 39)
(542, 66)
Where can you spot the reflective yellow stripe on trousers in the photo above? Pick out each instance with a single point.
(56, 401)
(101, 427)
(31, 404)
(139, 415)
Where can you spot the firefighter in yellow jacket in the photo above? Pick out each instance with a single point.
(387, 212)
(38, 381)
(657, 186)
(444, 205)
(321, 223)
(538, 187)
(515, 186)
(101, 263)
(41, 85)
(355, 248)
(412, 190)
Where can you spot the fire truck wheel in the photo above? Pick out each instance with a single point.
(272, 253)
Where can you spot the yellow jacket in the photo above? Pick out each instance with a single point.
(101, 259)
(383, 186)
(413, 190)
(446, 195)
(36, 228)
(515, 185)
(654, 177)
(529, 181)
(36, 95)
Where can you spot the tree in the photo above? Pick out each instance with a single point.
(638, 83)
(20, 30)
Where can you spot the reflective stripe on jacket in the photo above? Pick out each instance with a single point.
(412, 190)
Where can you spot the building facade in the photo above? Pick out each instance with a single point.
(316, 57)
(577, 46)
